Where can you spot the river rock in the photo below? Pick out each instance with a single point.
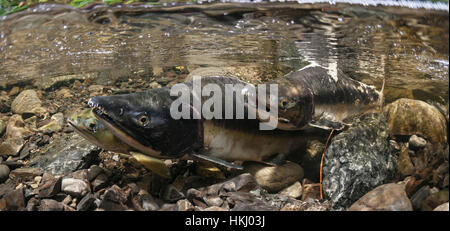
(184, 205)
(4, 173)
(405, 165)
(388, 197)
(50, 187)
(24, 174)
(87, 203)
(11, 147)
(420, 195)
(244, 201)
(310, 205)
(51, 205)
(416, 142)
(15, 132)
(443, 207)
(411, 117)
(27, 102)
(274, 178)
(74, 187)
(2, 126)
(434, 200)
(310, 161)
(113, 200)
(13, 201)
(56, 123)
(69, 153)
(242, 183)
(294, 190)
(357, 160)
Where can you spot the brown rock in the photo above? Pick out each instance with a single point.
(51, 205)
(242, 183)
(434, 200)
(27, 102)
(387, 197)
(443, 207)
(50, 187)
(295, 190)
(405, 165)
(33, 204)
(314, 205)
(24, 174)
(100, 182)
(311, 191)
(411, 117)
(215, 208)
(213, 200)
(275, 178)
(86, 203)
(244, 201)
(13, 201)
(184, 205)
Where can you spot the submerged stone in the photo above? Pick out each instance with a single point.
(358, 160)
(388, 197)
(27, 102)
(415, 117)
(69, 153)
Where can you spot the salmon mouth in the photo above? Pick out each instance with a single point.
(121, 133)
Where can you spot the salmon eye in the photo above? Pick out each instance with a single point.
(283, 103)
(91, 125)
(143, 120)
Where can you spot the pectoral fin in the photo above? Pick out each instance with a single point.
(153, 164)
(218, 161)
(326, 124)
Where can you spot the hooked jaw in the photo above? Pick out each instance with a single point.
(101, 109)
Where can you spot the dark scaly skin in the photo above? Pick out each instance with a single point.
(162, 136)
(312, 94)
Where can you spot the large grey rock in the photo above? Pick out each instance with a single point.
(69, 153)
(358, 160)
(388, 197)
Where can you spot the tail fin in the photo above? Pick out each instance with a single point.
(382, 94)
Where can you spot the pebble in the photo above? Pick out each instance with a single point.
(93, 172)
(27, 102)
(13, 201)
(24, 174)
(99, 182)
(4, 173)
(309, 205)
(87, 203)
(275, 178)
(403, 116)
(215, 208)
(213, 200)
(74, 187)
(404, 163)
(443, 207)
(434, 200)
(184, 205)
(50, 205)
(50, 187)
(416, 142)
(387, 197)
(32, 205)
(2, 126)
(56, 123)
(419, 196)
(294, 191)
